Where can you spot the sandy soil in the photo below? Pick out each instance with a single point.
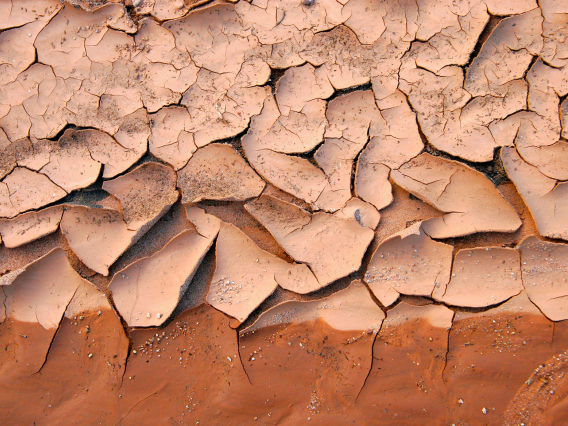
(284, 212)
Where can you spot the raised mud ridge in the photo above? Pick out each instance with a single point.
(284, 212)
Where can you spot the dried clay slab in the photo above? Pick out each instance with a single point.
(443, 49)
(145, 194)
(546, 198)
(116, 157)
(75, 160)
(218, 172)
(437, 316)
(30, 226)
(451, 120)
(292, 174)
(36, 299)
(333, 247)
(71, 165)
(544, 266)
(98, 236)
(146, 292)
(351, 309)
(24, 190)
(15, 14)
(276, 21)
(482, 277)
(409, 262)
(245, 275)
(205, 224)
(300, 85)
(17, 51)
(506, 54)
(394, 139)
(352, 119)
(471, 202)
(394, 142)
(166, 9)
(555, 31)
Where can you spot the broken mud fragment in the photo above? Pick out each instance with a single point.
(36, 300)
(554, 33)
(293, 96)
(365, 214)
(98, 236)
(332, 247)
(245, 275)
(545, 197)
(145, 194)
(205, 224)
(544, 276)
(319, 143)
(146, 292)
(471, 202)
(482, 277)
(218, 172)
(115, 154)
(30, 226)
(506, 54)
(16, 14)
(410, 263)
(292, 174)
(70, 165)
(351, 309)
(24, 190)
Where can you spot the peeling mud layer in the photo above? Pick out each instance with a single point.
(284, 212)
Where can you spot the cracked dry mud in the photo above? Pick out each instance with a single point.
(284, 212)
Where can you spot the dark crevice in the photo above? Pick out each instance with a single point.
(275, 75)
(235, 142)
(531, 64)
(274, 299)
(447, 348)
(375, 299)
(196, 292)
(355, 162)
(311, 155)
(341, 92)
(240, 356)
(136, 18)
(91, 195)
(371, 366)
(68, 127)
(427, 300)
(153, 240)
(493, 169)
(148, 157)
(485, 34)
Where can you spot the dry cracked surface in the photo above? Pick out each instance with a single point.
(284, 212)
